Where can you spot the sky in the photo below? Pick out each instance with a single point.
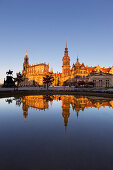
(42, 27)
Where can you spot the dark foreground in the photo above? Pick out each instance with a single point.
(55, 92)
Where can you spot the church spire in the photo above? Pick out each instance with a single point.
(26, 52)
(77, 64)
(26, 57)
(66, 50)
(51, 71)
(65, 129)
(26, 60)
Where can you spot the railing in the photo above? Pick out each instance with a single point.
(58, 88)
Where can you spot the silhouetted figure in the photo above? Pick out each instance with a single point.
(9, 82)
(9, 72)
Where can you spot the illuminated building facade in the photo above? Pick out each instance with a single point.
(33, 74)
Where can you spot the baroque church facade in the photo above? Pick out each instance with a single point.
(33, 74)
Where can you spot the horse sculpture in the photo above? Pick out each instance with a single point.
(9, 72)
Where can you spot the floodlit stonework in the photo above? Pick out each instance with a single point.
(100, 77)
(33, 74)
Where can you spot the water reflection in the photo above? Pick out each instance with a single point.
(77, 103)
(41, 141)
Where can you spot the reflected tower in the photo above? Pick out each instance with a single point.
(65, 109)
(25, 111)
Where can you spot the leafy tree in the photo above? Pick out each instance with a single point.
(58, 83)
(77, 78)
(48, 80)
(90, 84)
(81, 83)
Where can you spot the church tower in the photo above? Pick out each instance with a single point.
(26, 63)
(66, 63)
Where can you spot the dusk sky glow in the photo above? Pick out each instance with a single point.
(42, 27)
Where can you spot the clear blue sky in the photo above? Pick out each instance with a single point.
(43, 26)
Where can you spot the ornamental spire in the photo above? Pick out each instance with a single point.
(66, 43)
(26, 58)
(66, 50)
(26, 52)
(51, 71)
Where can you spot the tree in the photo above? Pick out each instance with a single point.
(58, 83)
(76, 78)
(81, 83)
(48, 80)
(90, 84)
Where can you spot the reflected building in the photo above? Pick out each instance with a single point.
(79, 104)
(37, 102)
(76, 103)
(65, 109)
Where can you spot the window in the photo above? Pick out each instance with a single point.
(100, 83)
(107, 83)
(94, 81)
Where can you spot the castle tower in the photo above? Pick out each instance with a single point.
(66, 63)
(26, 63)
